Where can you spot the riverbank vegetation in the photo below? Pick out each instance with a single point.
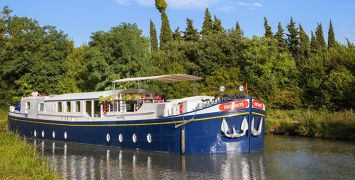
(286, 67)
(19, 159)
(310, 123)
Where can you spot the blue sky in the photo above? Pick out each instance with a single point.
(79, 18)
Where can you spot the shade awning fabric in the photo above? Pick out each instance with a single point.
(170, 78)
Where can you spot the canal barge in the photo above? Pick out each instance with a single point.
(140, 119)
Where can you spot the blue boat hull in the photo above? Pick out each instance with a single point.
(202, 135)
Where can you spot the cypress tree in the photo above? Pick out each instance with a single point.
(153, 37)
(268, 32)
(217, 25)
(207, 23)
(331, 36)
(190, 32)
(161, 5)
(314, 43)
(166, 34)
(236, 34)
(292, 39)
(165, 31)
(304, 45)
(349, 43)
(238, 30)
(279, 36)
(177, 35)
(320, 36)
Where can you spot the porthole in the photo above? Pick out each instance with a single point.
(134, 138)
(65, 135)
(120, 138)
(35, 133)
(53, 134)
(43, 133)
(149, 138)
(108, 137)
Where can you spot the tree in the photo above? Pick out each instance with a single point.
(331, 37)
(320, 36)
(153, 37)
(279, 36)
(190, 32)
(238, 30)
(177, 35)
(314, 42)
(292, 39)
(119, 53)
(217, 25)
(236, 34)
(207, 23)
(304, 46)
(166, 34)
(267, 70)
(161, 5)
(268, 32)
(75, 70)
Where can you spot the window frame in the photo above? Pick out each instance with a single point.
(59, 106)
(41, 105)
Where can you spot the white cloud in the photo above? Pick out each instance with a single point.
(257, 4)
(123, 2)
(250, 5)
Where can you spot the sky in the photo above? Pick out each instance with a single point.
(80, 18)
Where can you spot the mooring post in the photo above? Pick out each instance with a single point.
(183, 140)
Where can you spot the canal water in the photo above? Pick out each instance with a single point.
(283, 158)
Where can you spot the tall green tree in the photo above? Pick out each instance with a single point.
(31, 58)
(190, 32)
(268, 33)
(161, 5)
(292, 39)
(75, 70)
(331, 36)
(153, 37)
(238, 30)
(304, 45)
(217, 25)
(314, 43)
(279, 36)
(320, 36)
(119, 53)
(177, 34)
(207, 23)
(236, 34)
(166, 34)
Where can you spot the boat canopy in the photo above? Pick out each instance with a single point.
(169, 78)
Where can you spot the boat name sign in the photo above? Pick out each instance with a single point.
(258, 105)
(234, 105)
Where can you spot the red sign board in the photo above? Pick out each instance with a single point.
(241, 104)
(225, 107)
(235, 105)
(258, 105)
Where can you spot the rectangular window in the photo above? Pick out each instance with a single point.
(28, 105)
(77, 106)
(88, 107)
(41, 107)
(59, 107)
(97, 109)
(68, 106)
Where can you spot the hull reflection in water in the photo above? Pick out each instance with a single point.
(82, 161)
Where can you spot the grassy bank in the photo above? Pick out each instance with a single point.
(332, 125)
(19, 160)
